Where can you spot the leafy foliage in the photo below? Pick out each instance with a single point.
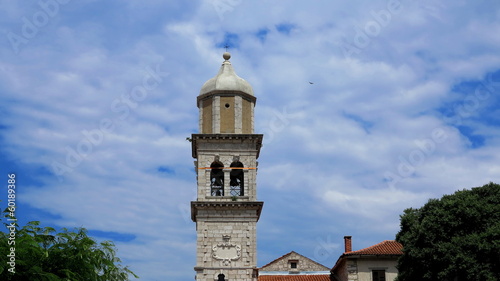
(43, 254)
(455, 238)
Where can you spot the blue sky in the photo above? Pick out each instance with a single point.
(98, 98)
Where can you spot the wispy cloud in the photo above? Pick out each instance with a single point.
(107, 93)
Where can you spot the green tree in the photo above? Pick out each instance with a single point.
(455, 238)
(42, 254)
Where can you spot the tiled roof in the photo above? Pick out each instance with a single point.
(292, 277)
(387, 247)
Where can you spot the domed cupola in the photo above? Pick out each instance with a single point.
(226, 80)
(226, 103)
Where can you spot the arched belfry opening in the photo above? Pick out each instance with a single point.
(236, 177)
(217, 177)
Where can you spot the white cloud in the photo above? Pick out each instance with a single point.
(329, 144)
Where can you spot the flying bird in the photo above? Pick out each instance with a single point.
(311, 82)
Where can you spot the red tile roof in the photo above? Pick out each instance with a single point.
(294, 277)
(387, 247)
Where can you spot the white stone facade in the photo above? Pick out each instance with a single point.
(226, 225)
(226, 217)
(226, 241)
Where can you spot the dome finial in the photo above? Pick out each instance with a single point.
(226, 80)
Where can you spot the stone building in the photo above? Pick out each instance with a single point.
(226, 150)
(294, 267)
(375, 263)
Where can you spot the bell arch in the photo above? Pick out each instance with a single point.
(216, 177)
(236, 178)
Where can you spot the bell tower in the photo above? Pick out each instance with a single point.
(226, 150)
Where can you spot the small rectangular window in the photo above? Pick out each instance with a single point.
(378, 275)
(293, 264)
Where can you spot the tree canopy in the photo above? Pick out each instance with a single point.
(455, 238)
(42, 254)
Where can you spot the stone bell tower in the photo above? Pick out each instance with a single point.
(226, 210)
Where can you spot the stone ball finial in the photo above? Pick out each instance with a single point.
(226, 55)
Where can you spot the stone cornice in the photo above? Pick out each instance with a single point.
(222, 205)
(195, 138)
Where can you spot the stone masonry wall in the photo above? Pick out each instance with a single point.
(303, 264)
(352, 270)
(226, 244)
